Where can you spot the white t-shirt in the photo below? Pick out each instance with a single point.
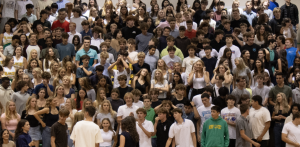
(198, 101)
(160, 85)
(107, 137)
(117, 73)
(133, 56)
(8, 8)
(231, 115)
(71, 36)
(69, 121)
(10, 73)
(253, 83)
(188, 63)
(86, 13)
(205, 114)
(140, 104)
(235, 52)
(145, 141)
(171, 61)
(257, 120)
(33, 47)
(293, 133)
(124, 111)
(78, 23)
(214, 53)
(86, 133)
(182, 133)
(184, 24)
(21, 7)
(96, 42)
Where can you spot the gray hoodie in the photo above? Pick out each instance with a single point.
(5, 95)
(296, 95)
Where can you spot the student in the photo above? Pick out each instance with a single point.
(29, 14)
(21, 136)
(163, 39)
(240, 89)
(261, 89)
(259, 119)
(218, 42)
(227, 29)
(153, 93)
(5, 91)
(174, 29)
(85, 70)
(104, 47)
(129, 137)
(140, 64)
(107, 40)
(144, 128)
(230, 114)
(57, 36)
(237, 19)
(95, 78)
(9, 50)
(290, 132)
(136, 96)
(65, 48)
(180, 98)
(143, 38)
(43, 20)
(221, 99)
(130, 31)
(120, 71)
(170, 43)
(234, 49)
(21, 96)
(251, 46)
(49, 88)
(86, 29)
(205, 113)
(249, 13)
(96, 40)
(191, 112)
(182, 41)
(190, 60)
(86, 51)
(243, 130)
(59, 135)
(209, 61)
(123, 86)
(103, 62)
(187, 16)
(73, 32)
(182, 137)
(291, 51)
(115, 101)
(215, 127)
(61, 22)
(190, 32)
(205, 43)
(171, 58)
(86, 132)
(132, 53)
(161, 127)
(77, 19)
(150, 57)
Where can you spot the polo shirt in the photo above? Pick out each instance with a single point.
(89, 33)
(38, 87)
(250, 16)
(162, 132)
(190, 34)
(30, 18)
(183, 136)
(136, 67)
(92, 53)
(62, 4)
(80, 73)
(174, 33)
(145, 141)
(64, 25)
(150, 115)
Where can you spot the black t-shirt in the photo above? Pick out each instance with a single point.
(210, 65)
(253, 49)
(130, 32)
(220, 102)
(180, 103)
(123, 91)
(163, 132)
(129, 142)
(59, 131)
(236, 23)
(155, 104)
(215, 45)
(115, 104)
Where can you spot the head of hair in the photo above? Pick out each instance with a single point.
(257, 98)
(128, 124)
(19, 129)
(244, 108)
(216, 108)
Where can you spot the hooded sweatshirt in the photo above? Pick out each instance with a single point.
(213, 133)
(5, 95)
(296, 95)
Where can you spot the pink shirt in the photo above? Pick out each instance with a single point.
(165, 24)
(11, 124)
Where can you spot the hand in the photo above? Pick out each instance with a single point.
(80, 66)
(251, 61)
(298, 145)
(259, 138)
(156, 119)
(45, 84)
(140, 124)
(256, 144)
(31, 144)
(169, 70)
(199, 138)
(131, 114)
(43, 124)
(192, 103)
(204, 69)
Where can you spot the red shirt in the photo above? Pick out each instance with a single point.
(191, 34)
(64, 25)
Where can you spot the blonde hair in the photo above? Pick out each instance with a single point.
(91, 9)
(128, 94)
(164, 66)
(111, 111)
(277, 9)
(158, 19)
(48, 101)
(51, 66)
(241, 66)
(56, 88)
(28, 105)
(8, 114)
(284, 102)
(99, 99)
(104, 55)
(29, 58)
(73, 105)
(84, 102)
(141, 54)
(78, 116)
(68, 78)
(38, 72)
(161, 78)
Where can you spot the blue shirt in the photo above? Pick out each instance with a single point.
(62, 4)
(250, 16)
(91, 53)
(23, 140)
(151, 60)
(273, 5)
(38, 87)
(105, 71)
(80, 73)
(290, 56)
(65, 50)
(89, 33)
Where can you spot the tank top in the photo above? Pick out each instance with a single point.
(18, 63)
(10, 73)
(1, 61)
(7, 38)
(198, 83)
(50, 119)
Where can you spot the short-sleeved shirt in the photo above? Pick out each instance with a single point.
(257, 121)
(275, 90)
(80, 73)
(145, 141)
(65, 50)
(64, 25)
(242, 124)
(91, 53)
(38, 87)
(292, 132)
(101, 116)
(59, 131)
(205, 114)
(183, 136)
(124, 111)
(136, 67)
(231, 115)
(163, 132)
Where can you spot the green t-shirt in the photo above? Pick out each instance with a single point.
(151, 117)
(275, 90)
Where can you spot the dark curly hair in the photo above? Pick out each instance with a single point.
(128, 124)
(1, 139)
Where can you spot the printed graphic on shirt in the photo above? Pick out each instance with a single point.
(206, 114)
(214, 127)
(10, 5)
(229, 117)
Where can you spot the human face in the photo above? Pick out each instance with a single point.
(228, 54)
(198, 66)
(42, 94)
(86, 43)
(152, 51)
(141, 115)
(128, 100)
(180, 92)
(158, 74)
(230, 102)
(105, 124)
(236, 15)
(105, 107)
(82, 94)
(260, 81)
(188, 109)
(218, 80)
(176, 115)
(176, 77)
(102, 82)
(170, 43)
(62, 15)
(23, 38)
(12, 106)
(34, 54)
(18, 51)
(160, 63)
(60, 90)
(262, 30)
(277, 14)
(261, 54)
(251, 40)
(258, 63)
(102, 93)
(62, 73)
(5, 135)
(172, 24)
(66, 81)
(7, 28)
(25, 88)
(119, 35)
(229, 40)
(205, 101)
(248, 6)
(295, 110)
(288, 44)
(49, 42)
(166, 3)
(88, 103)
(171, 53)
(26, 127)
(166, 32)
(242, 82)
(279, 98)
(168, 107)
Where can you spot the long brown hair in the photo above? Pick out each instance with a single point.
(146, 78)
(86, 83)
(48, 57)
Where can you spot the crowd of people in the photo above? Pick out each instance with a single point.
(149, 75)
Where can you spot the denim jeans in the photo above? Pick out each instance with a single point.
(46, 137)
(153, 142)
(70, 141)
(277, 135)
